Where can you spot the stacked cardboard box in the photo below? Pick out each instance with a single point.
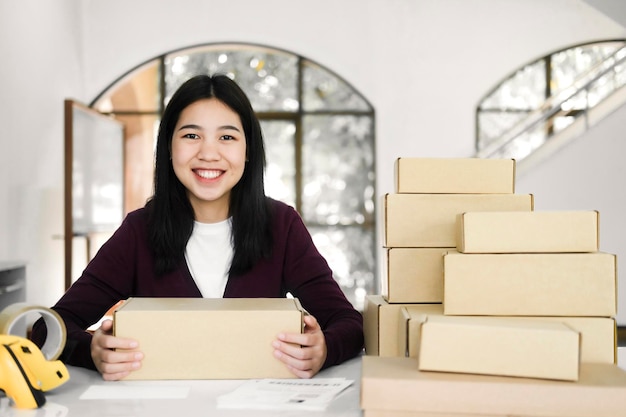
(419, 227)
(393, 387)
(525, 322)
(536, 264)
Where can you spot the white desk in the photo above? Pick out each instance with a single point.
(64, 401)
(201, 401)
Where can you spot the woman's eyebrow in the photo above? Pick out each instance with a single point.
(190, 126)
(198, 127)
(229, 127)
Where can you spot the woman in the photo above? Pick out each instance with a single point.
(210, 231)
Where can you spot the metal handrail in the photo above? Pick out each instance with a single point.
(553, 104)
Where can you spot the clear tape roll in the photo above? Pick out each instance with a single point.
(14, 317)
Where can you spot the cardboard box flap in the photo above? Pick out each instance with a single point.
(209, 304)
(411, 318)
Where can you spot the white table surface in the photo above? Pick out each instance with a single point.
(201, 400)
(64, 401)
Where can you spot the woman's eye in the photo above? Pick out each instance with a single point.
(191, 136)
(228, 137)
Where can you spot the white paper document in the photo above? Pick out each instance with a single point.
(284, 394)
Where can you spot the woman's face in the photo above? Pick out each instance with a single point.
(209, 156)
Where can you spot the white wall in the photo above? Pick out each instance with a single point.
(587, 175)
(40, 58)
(423, 64)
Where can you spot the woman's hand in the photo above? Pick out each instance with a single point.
(112, 364)
(305, 353)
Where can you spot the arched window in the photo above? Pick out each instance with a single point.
(544, 97)
(319, 135)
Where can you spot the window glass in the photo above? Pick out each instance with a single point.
(525, 90)
(349, 251)
(493, 124)
(546, 96)
(268, 77)
(338, 170)
(280, 150)
(323, 90)
(570, 65)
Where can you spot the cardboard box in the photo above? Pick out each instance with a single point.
(499, 346)
(410, 321)
(528, 232)
(455, 175)
(389, 413)
(429, 220)
(395, 384)
(380, 326)
(598, 337)
(208, 338)
(562, 284)
(414, 275)
(598, 334)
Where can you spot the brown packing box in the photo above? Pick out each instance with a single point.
(455, 175)
(380, 325)
(389, 413)
(561, 284)
(598, 337)
(410, 321)
(208, 338)
(598, 334)
(395, 384)
(528, 232)
(414, 275)
(429, 220)
(499, 346)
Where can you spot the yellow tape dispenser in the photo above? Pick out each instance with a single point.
(25, 373)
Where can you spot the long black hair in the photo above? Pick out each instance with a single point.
(171, 216)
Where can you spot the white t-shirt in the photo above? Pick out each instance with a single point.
(208, 254)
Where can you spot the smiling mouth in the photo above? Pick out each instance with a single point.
(208, 174)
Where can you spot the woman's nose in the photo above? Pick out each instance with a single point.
(208, 151)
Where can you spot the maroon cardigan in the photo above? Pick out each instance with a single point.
(124, 267)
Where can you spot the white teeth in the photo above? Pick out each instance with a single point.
(208, 174)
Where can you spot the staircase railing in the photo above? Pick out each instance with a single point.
(540, 120)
